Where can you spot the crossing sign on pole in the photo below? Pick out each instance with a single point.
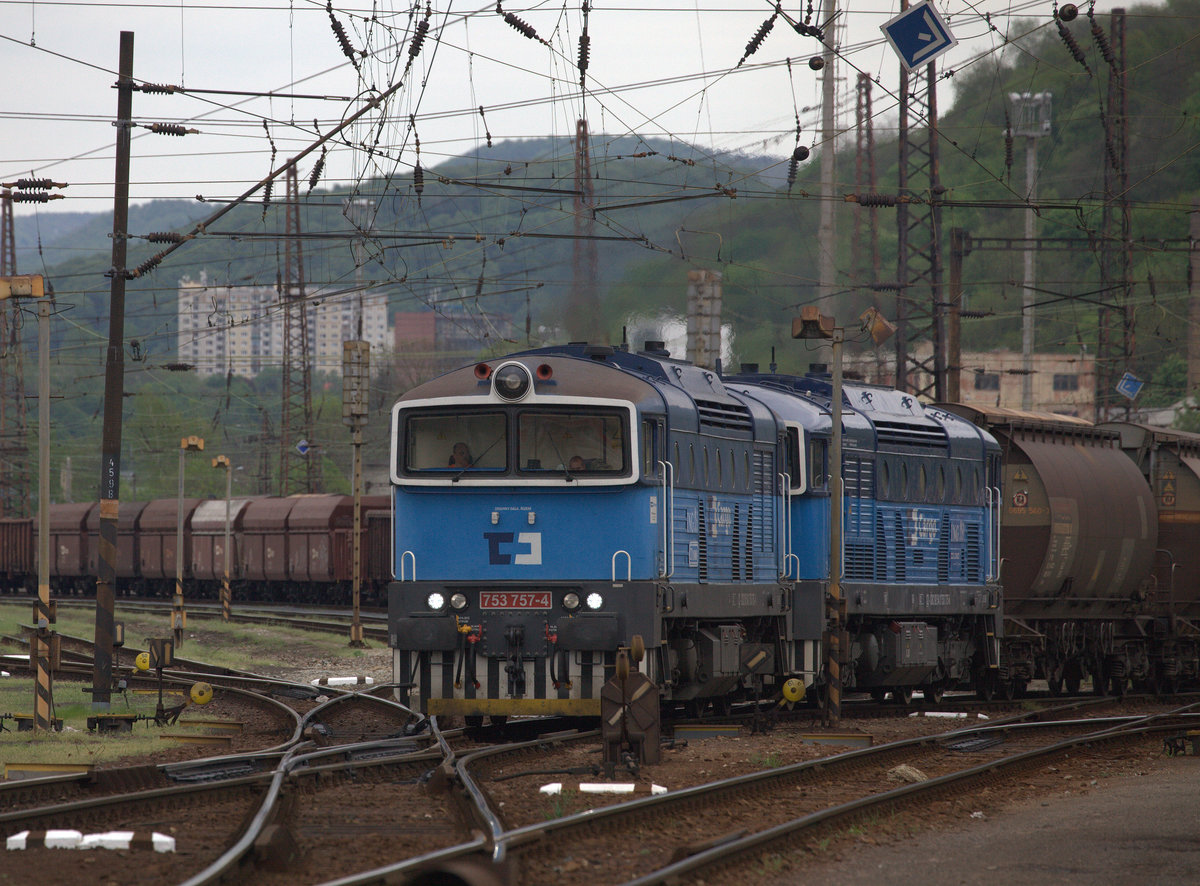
(918, 35)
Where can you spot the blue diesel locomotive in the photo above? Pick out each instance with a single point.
(557, 504)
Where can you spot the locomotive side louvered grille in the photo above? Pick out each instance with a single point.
(943, 559)
(764, 501)
(906, 435)
(974, 564)
(723, 416)
(860, 561)
(880, 549)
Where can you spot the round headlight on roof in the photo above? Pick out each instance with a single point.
(511, 381)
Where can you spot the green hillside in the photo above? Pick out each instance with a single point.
(496, 232)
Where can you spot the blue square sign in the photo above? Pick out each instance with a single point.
(918, 35)
(1129, 385)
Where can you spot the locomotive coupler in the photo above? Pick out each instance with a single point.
(515, 636)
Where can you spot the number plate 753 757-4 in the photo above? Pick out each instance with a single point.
(514, 600)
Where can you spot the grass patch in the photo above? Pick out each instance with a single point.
(560, 804)
(266, 649)
(772, 760)
(75, 744)
(246, 647)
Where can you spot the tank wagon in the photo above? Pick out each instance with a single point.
(1085, 589)
(556, 504)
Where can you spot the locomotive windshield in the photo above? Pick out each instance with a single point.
(568, 442)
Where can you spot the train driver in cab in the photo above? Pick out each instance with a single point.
(460, 456)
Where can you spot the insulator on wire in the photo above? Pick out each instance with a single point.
(172, 129)
(521, 27)
(759, 36)
(33, 184)
(1069, 39)
(1101, 40)
(318, 168)
(34, 197)
(683, 160)
(793, 168)
(157, 88)
(1008, 142)
(165, 237)
(485, 126)
(418, 181)
(149, 265)
(340, 33)
(418, 38)
(876, 200)
(585, 46)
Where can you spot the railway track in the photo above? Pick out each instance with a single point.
(694, 832)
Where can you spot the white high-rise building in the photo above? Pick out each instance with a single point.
(239, 329)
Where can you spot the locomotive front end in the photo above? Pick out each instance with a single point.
(525, 542)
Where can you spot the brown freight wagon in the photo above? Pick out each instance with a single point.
(208, 539)
(265, 546)
(69, 570)
(18, 555)
(157, 553)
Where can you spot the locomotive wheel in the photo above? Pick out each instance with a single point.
(722, 705)
(878, 695)
(693, 708)
(474, 721)
(1117, 686)
(1008, 689)
(1054, 680)
(985, 687)
(934, 694)
(903, 697)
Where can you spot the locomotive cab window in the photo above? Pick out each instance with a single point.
(453, 442)
(579, 442)
(794, 460)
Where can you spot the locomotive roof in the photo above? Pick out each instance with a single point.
(694, 397)
(873, 416)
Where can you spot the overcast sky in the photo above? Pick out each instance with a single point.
(667, 68)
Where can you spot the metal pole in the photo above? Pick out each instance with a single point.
(114, 393)
(177, 603)
(827, 235)
(226, 594)
(44, 703)
(837, 603)
(1027, 298)
(356, 631)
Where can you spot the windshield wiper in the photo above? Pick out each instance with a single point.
(458, 476)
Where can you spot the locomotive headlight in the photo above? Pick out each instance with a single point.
(512, 382)
(458, 601)
(594, 601)
(570, 601)
(435, 601)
